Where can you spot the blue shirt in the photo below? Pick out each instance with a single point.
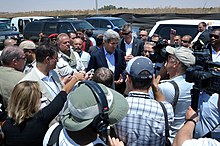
(209, 116)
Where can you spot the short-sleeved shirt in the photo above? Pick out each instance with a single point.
(184, 100)
(144, 123)
(208, 114)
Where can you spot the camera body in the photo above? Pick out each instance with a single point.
(160, 54)
(204, 74)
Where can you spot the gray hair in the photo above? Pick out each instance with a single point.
(59, 37)
(9, 53)
(109, 35)
(127, 27)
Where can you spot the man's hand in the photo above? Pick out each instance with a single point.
(155, 83)
(128, 57)
(115, 141)
(119, 81)
(191, 114)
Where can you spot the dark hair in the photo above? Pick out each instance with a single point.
(142, 84)
(203, 24)
(43, 51)
(89, 32)
(103, 75)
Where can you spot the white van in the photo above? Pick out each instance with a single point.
(182, 27)
(21, 22)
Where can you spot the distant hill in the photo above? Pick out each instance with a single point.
(114, 11)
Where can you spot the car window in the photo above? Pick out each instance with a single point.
(50, 27)
(104, 24)
(4, 27)
(118, 22)
(82, 24)
(65, 27)
(164, 30)
(94, 22)
(34, 26)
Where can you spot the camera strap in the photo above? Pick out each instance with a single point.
(176, 96)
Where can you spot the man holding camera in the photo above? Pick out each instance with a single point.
(176, 89)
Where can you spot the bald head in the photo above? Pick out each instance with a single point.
(10, 42)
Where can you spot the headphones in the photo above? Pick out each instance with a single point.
(101, 121)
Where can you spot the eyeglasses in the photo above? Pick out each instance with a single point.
(22, 57)
(185, 41)
(214, 35)
(66, 42)
(176, 40)
(171, 58)
(142, 35)
(126, 33)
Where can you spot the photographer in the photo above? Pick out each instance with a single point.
(176, 89)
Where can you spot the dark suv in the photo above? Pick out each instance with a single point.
(6, 32)
(104, 23)
(50, 26)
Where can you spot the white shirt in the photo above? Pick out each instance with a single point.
(110, 58)
(128, 47)
(201, 142)
(49, 82)
(85, 57)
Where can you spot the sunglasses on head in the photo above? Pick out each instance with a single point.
(126, 33)
(213, 35)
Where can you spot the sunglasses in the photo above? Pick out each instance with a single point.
(213, 35)
(184, 41)
(142, 35)
(124, 33)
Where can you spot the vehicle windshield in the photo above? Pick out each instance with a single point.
(82, 25)
(4, 27)
(119, 22)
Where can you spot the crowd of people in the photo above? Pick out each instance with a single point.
(115, 89)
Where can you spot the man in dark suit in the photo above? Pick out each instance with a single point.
(203, 34)
(130, 45)
(111, 57)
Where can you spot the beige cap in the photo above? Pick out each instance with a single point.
(27, 45)
(183, 54)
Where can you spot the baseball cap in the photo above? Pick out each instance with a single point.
(27, 45)
(183, 54)
(82, 107)
(138, 64)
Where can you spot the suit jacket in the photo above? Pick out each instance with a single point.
(98, 60)
(33, 76)
(137, 47)
(205, 36)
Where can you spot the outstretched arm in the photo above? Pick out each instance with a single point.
(158, 95)
(186, 132)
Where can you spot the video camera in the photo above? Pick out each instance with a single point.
(203, 75)
(160, 54)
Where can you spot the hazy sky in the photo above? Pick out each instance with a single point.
(42, 5)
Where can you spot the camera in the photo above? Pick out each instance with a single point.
(204, 73)
(160, 54)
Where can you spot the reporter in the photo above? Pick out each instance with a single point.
(27, 123)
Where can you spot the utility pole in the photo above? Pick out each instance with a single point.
(96, 5)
